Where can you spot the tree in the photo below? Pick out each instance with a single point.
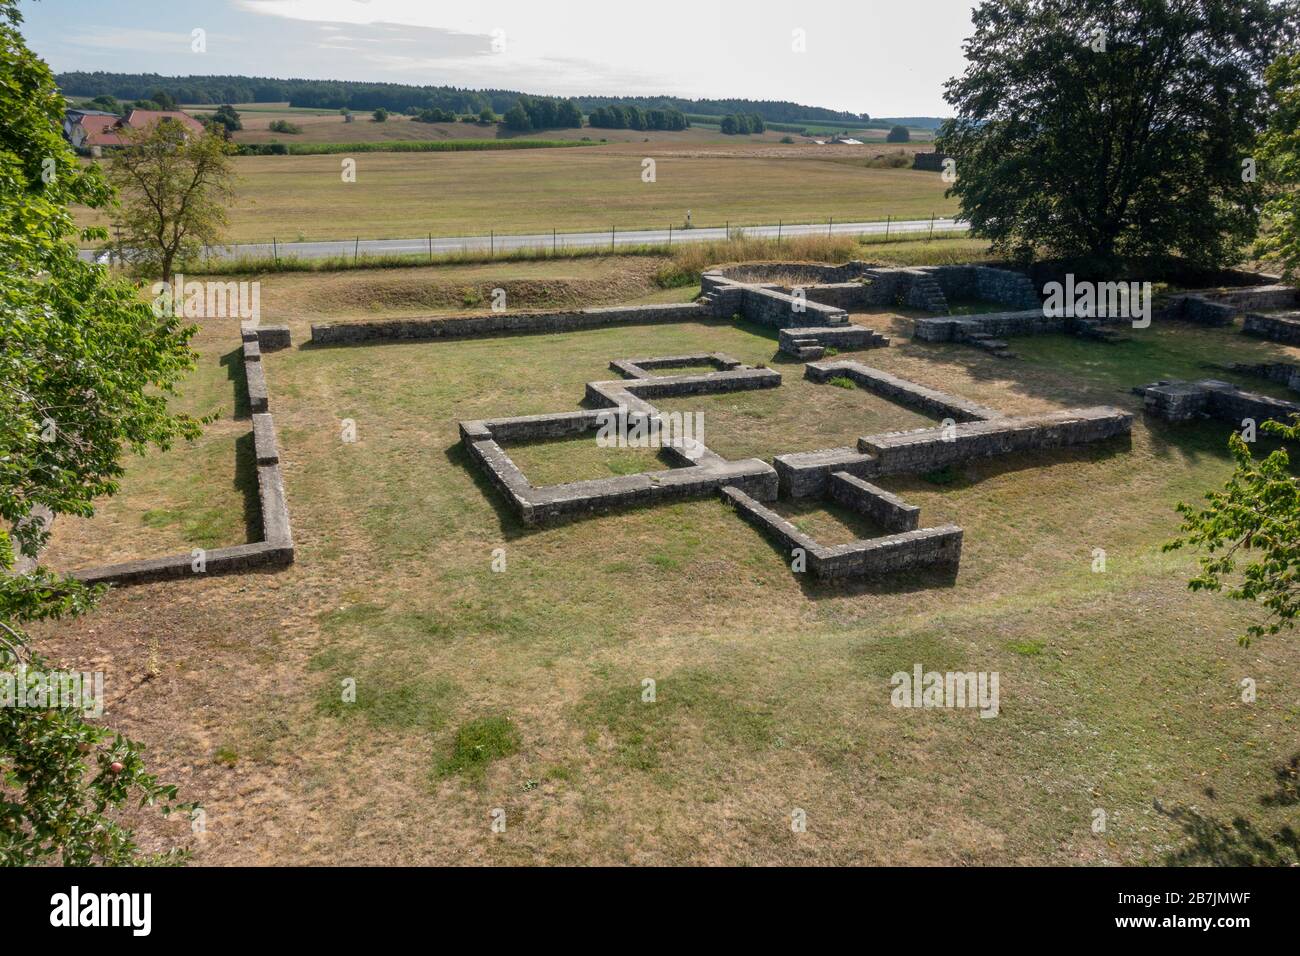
(174, 188)
(85, 372)
(516, 119)
(163, 99)
(1280, 162)
(108, 104)
(487, 116)
(227, 119)
(899, 134)
(380, 115)
(1258, 511)
(1106, 129)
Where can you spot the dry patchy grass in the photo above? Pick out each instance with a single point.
(523, 689)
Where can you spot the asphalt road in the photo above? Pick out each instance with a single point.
(564, 240)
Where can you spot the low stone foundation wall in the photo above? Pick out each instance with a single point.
(865, 557)
(886, 509)
(702, 471)
(276, 548)
(1182, 401)
(928, 449)
(962, 328)
(1217, 307)
(779, 310)
(503, 323)
(930, 401)
(808, 474)
(1283, 328)
(1284, 373)
(847, 338)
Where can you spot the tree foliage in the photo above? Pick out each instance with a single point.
(85, 371)
(899, 134)
(1257, 513)
(174, 188)
(1105, 129)
(1280, 162)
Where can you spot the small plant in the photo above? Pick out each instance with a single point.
(839, 381)
(477, 744)
(830, 352)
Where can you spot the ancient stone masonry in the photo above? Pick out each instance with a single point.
(1283, 327)
(699, 471)
(276, 547)
(1284, 373)
(970, 431)
(503, 323)
(1221, 306)
(1182, 401)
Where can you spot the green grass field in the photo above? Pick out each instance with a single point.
(522, 689)
(405, 195)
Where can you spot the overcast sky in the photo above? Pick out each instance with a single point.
(883, 57)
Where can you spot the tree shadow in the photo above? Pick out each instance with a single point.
(1238, 842)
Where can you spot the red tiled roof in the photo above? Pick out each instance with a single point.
(141, 119)
(101, 130)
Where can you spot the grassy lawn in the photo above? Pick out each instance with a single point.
(521, 689)
(404, 195)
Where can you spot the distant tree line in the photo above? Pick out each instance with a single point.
(633, 117)
(403, 98)
(540, 112)
(741, 123)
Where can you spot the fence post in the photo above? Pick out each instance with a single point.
(611, 238)
(670, 235)
(888, 220)
(931, 227)
(492, 242)
(554, 239)
(779, 224)
(830, 230)
(356, 250)
(275, 251)
(430, 247)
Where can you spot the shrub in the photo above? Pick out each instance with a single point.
(284, 126)
(899, 134)
(380, 115)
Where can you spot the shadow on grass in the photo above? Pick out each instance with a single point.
(246, 485)
(1238, 842)
(511, 526)
(234, 365)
